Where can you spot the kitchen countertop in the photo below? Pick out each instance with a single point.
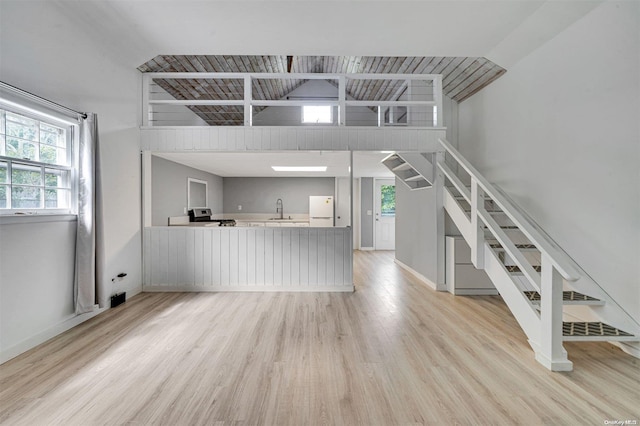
(274, 221)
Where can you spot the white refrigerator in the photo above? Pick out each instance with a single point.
(320, 211)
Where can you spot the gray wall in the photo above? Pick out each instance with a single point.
(259, 194)
(169, 189)
(416, 230)
(37, 276)
(366, 203)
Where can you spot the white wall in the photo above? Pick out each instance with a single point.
(42, 52)
(28, 300)
(416, 230)
(559, 132)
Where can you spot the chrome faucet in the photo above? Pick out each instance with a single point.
(280, 208)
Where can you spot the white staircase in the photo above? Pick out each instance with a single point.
(413, 169)
(538, 281)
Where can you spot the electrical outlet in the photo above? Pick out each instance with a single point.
(369, 212)
(239, 207)
(185, 210)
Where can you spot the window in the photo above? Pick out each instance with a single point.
(319, 114)
(388, 200)
(36, 164)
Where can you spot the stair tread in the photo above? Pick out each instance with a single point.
(572, 296)
(506, 227)
(518, 246)
(515, 268)
(488, 211)
(403, 166)
(414, 178)
(592, 329)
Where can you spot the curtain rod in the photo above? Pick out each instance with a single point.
(42, 100)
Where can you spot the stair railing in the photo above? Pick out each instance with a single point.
(555, 265)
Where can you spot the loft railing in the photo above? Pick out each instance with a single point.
(544, 329)
(275, 99)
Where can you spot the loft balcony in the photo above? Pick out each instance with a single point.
(186, 111)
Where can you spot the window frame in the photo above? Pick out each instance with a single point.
(322, 123)
(71, 128)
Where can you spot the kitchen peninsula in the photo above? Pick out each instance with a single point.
(214, 258)
(256, 236)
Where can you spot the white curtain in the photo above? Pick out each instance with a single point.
(89, 286)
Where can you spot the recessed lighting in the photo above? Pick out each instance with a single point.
(299, 168)
(387, 152)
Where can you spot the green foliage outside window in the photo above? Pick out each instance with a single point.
(388, 200)
(45, 180)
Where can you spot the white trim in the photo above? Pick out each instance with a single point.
(47, 334)
(632, 349)
(147, 179)
(251, 289)
(29, 110)
(553, 365)
(15, 219)
(375, 206)
(366, 248)
(191, 180)
(419, 276)
(476, 292)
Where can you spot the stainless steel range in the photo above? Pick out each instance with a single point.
(204, 215)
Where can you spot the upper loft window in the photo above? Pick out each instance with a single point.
(36, 164)
(317, 114)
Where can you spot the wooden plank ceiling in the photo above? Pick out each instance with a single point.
(461, 77)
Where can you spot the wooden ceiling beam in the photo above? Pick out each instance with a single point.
(462, 77)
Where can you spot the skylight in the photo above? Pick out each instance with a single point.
(317, 114)
(299, 168)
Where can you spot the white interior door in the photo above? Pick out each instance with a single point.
(385, 214)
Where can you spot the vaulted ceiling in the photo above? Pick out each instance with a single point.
(462, 77)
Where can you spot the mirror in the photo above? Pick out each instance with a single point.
(197, 193)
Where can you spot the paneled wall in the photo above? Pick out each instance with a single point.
(247, 259)
(275, 138)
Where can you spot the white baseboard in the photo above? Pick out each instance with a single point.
(366, 249)
(632, 348)
(476, 292)
(47, 334)
(260, 289)
(420, 277)
(68, 324)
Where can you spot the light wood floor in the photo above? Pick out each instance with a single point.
(392, 353)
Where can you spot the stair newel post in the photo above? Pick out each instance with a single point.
(146, 97)
(552, 354)
(342, 100)
(438, 184)
(477, 226)
(248, 93)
